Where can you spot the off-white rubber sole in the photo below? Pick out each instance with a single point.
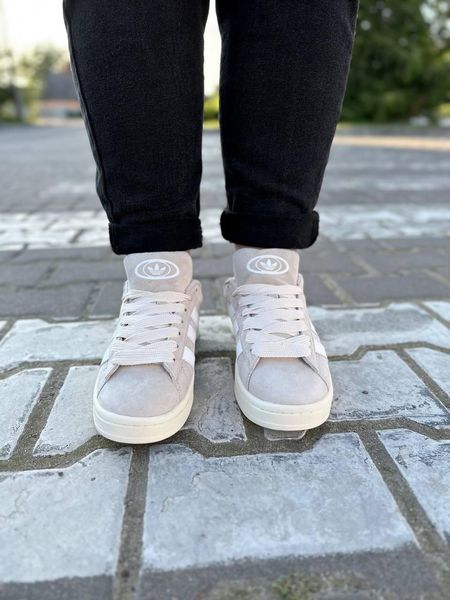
(142, 430)
(281, 417)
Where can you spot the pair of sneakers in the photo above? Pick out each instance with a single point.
(145, 386)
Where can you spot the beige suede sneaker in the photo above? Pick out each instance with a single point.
(144, 389)
(282, 378)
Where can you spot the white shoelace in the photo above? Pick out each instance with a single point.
(148, 327)
(274, 320)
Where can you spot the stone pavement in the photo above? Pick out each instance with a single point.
(357, 509)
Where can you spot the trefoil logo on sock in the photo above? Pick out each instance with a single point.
(157, 268)
(268, 264)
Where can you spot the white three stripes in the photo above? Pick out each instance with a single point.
(188, 355)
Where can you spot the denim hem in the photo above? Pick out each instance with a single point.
(159, 236)
(267, 231)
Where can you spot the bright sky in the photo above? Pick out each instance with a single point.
(29, 23)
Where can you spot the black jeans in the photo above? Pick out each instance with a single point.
(138, 66)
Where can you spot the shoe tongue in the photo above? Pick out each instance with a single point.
(159, 271)
(274, 266)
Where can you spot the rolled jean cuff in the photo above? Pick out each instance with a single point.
(158, 236)
(266, 231)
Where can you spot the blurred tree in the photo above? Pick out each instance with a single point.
(401, 63)
(25, 77)
(211, 107)
(34, 68)
(7, 71)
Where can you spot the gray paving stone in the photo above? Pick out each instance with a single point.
(68, 588)
(6, 257)
(424, 464)
(16, 239)
(403, 287)
(441, 308)
(65, 522)
(215, 334)
(393, 220)
(343, 331)
(365, 389)
(18, 395)
(357, 247)
(436, 364)
(215, 414)
(95, 271)
(65, 302)
(51, 255)
(22, 275)
(109, 300)
(444, 273)
(392, 262)
(93, 237)
(213, 301)
(440, 244)
(210, 218)
(70, 423)
(213, 266)
(35, 340)
(317, 293)
(217, 250)
(395, 575)
(228, 515)
(328, 263)
(321, 246)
